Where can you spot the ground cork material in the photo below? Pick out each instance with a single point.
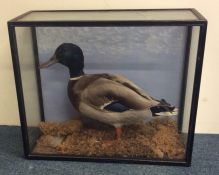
(158, 139)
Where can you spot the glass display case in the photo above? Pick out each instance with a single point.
(108, 85)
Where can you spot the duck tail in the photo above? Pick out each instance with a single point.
(162, 108)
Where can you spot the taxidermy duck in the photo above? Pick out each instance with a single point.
(107, 98)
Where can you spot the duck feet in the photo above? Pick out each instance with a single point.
(118, 133)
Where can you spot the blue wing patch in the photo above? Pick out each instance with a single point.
(116, 106)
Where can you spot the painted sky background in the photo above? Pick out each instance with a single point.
(152, 57)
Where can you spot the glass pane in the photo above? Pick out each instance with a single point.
(111, 15)
(152, 60)
(150, 57)
(29, 81)
(190, 79)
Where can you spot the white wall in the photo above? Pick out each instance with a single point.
(207, 117)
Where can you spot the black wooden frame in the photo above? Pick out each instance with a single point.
(201, 22)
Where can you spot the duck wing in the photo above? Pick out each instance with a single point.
(105, 90)
(129, 84)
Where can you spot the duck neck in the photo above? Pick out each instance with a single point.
(76, 73)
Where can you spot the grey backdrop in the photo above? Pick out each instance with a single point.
(152, 57)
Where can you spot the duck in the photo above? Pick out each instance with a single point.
(111, 99)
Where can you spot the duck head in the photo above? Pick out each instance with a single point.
(69, 55)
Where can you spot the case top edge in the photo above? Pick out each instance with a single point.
(17, 20)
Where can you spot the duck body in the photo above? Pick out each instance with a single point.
(92, 94)
(111, 99)
(107, 98)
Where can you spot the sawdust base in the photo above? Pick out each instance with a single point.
(157, 140)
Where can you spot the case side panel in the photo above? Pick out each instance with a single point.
(29, 82)
(196, 88)
(19, 88)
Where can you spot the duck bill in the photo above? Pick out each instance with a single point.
(50, 62)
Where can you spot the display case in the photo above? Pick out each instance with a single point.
(108, 85)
